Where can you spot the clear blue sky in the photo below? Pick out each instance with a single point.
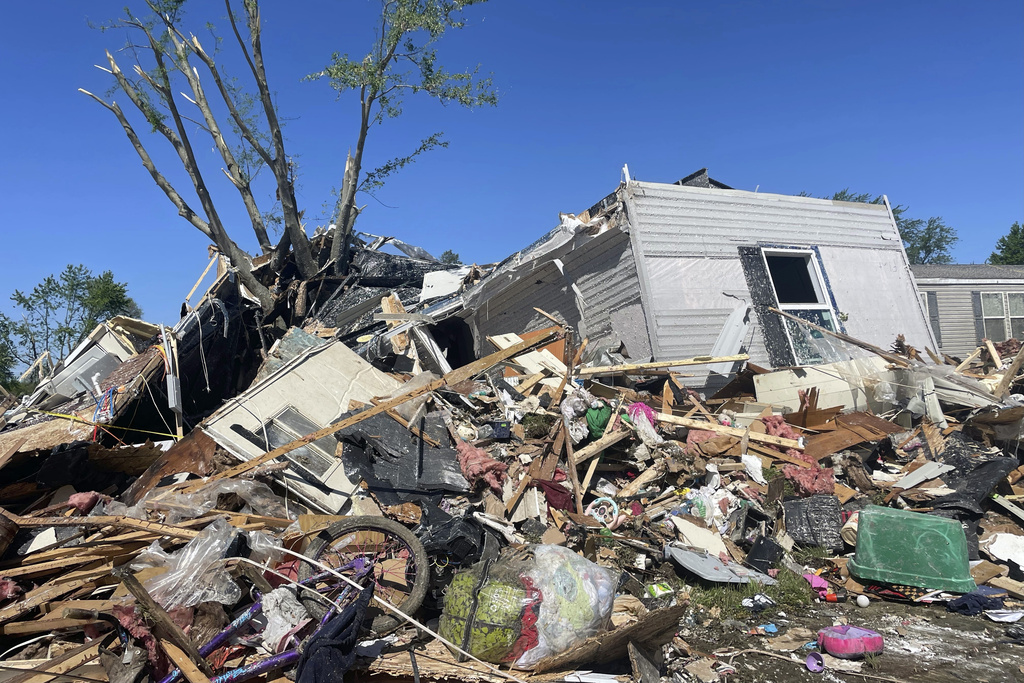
(922, 101)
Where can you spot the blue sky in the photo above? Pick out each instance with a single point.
(922, 101)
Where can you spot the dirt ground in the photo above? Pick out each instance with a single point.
(923, 644)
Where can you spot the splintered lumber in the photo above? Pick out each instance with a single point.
(170, 634)
(530, 381)
(967, 361)
(660, 365)
(1003, 388)
(454, 377)
(42, 595)
(108, 520)
(65, 663)
(598, 447)
(181, 660)
(574, 476)
(730, 431)
(993, 354)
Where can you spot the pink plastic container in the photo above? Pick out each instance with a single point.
(850, 642)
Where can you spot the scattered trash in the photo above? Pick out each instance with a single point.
(850, 642)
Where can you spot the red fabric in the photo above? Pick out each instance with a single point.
(528, 636)
(556, 494)
(477, 466)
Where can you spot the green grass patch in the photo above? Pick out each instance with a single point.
(791, 592)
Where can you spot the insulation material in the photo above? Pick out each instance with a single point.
(477, 465)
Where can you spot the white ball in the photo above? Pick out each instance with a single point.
(863, 601)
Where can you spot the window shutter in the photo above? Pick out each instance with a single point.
(933, 316)
(979, 321)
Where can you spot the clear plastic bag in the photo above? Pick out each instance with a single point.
(528, 605)
(259, 499)
(196, 573)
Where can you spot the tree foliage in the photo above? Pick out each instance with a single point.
(57, 313)
(1009, 248)
(926, 241)
(403, 60)
(450, 257)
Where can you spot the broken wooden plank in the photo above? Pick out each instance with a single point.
(65, 663)
(1003, 388)
(993, 354)
(967, 361)
(454, 377)
(184, 663)
(599, 446)
(169, 633)
(730, 431)
(109, 520)
(660, 365)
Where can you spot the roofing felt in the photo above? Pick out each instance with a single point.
(967, 271)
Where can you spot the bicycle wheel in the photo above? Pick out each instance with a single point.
(400, 570)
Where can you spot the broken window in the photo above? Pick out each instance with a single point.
(1002, 315)
(800, 289)
(313, 460)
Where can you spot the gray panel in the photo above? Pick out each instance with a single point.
(677, 220)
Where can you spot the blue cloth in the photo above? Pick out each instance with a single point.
(330, 652)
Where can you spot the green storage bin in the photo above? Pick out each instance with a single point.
(911, 549)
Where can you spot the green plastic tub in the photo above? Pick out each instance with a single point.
(911, 549)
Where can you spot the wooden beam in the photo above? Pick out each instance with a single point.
(109, 520)
(730, 431)
(967, 361)
(598, 447)
(1003, 388)
(991, 348)
(181, 660)
(169, 633)
(574, 476)
(660, 365)
(454, 377)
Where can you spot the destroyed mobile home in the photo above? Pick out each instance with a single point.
(538, 469)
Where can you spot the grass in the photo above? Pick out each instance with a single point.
(790, 592)
(811, 555)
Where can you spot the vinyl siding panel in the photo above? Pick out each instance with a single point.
(673, 220)
(604, 271)
(956, 311)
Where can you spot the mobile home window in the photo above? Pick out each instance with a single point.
(1002, 315)
(800, 290)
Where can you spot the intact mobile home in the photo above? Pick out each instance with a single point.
(669, 270)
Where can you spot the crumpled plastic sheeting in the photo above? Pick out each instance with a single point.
(195, 573)
(810, 481)
(477, 465)
(284, 612)
(643, 418)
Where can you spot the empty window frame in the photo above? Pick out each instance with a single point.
(800, 289)
(1002, 315)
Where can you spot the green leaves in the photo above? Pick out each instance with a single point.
(57, 313)
(925, 241)
(375, 179)
(1009, 248)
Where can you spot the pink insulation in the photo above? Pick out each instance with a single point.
(697, 436)
(477, 465)
(810, 481)
(84, 502)
(9, 589)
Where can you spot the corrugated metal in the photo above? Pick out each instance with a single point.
(956, 312)
(604, 271)
(673, 220)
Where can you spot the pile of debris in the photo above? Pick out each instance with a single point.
(540, 506)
